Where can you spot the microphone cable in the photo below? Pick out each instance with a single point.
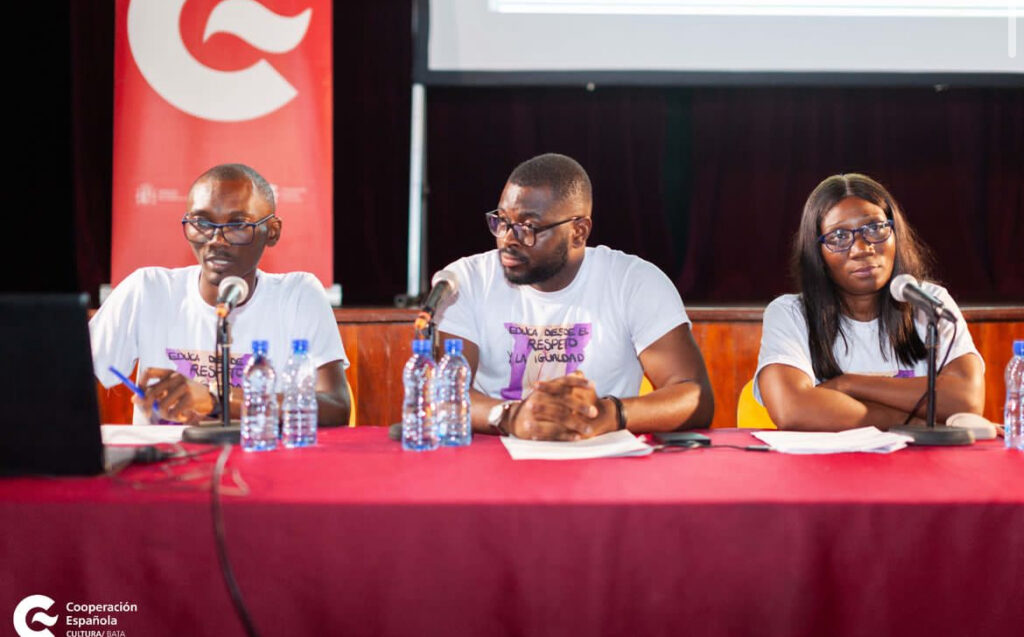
(222, 549)
(691, 444)
(945, 359)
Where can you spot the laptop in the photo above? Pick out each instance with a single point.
(51, 422)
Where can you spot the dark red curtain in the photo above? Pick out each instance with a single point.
(953, 159)
(707, 183)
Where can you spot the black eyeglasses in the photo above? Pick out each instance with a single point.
(524, 234)
(237, 233)
(841, 239)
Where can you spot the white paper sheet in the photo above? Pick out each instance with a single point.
(864, 439)
(140, 434)
(617, 444)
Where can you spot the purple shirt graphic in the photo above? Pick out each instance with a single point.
(201, 365)
(542, 352)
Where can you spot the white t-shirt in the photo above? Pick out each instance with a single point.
(615, 307)
(784, 340)
(156, 317)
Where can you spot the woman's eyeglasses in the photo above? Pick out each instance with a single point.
(841, 239)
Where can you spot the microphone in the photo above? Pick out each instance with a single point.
(906, 289)
(444, 285)
(231, 291)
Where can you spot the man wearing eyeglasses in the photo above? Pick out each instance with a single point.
(165, 319)
(560, 335)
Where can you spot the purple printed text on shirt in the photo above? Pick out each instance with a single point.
(541, 352)
(201, 365)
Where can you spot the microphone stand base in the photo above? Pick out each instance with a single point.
(212, 435)
(938, 436)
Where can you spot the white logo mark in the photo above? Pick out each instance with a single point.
(31, 603)
(225, 96)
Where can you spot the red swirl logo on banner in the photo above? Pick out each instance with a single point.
(205, 82)
(188, 84)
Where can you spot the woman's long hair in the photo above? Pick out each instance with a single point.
(822, 303)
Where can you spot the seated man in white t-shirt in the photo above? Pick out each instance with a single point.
(560, 335)
(165, 319)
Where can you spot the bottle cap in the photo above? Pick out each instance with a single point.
(1018, 348)
(300, 346)
(260, 347)
(453, 346)
(421, 346)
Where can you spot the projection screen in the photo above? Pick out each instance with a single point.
(728, 42)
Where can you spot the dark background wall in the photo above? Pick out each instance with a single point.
(706, 182)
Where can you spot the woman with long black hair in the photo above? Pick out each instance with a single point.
(844, 353)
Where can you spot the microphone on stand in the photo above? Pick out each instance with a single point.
(231, 291)
(444, 285)
(906, 289)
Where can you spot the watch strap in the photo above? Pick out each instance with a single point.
(620, 412)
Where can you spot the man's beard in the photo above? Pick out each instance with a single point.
(542, 271)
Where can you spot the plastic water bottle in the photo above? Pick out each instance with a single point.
(418, 429)
(259, 402)
(451, 396)
(298, 406)
(1013, 408)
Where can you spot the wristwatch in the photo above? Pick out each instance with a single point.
(496, 416)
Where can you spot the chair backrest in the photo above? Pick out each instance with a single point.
(645, 386)
(751, 414)
(352, 411)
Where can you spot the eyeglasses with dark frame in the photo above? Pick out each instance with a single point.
(237, 233)
(841, 239)
(524, 233)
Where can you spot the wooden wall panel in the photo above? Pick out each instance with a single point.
(378, 342)
(115, 403)
(376, 353)
(730, 354)
(994, 340)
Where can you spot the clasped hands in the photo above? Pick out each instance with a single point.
(565, 408)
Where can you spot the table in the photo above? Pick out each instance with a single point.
(356, 537)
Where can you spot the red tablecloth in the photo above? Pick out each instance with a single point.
(357, 537)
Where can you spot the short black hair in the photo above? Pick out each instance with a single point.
(235, 172)
(564, 175)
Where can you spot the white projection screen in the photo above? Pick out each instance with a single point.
(693, 42)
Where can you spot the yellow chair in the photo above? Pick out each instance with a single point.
(645, 386)
(750, 414)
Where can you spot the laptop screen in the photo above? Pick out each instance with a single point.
(50, 422)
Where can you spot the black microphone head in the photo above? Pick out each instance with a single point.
(232, 286)
(448, 277)
(899, 285)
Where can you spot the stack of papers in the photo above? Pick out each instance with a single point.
(866, 439)
(611, 445)
(140, 434)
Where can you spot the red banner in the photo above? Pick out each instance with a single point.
(205, 82)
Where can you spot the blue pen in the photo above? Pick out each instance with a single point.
(130, 385)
